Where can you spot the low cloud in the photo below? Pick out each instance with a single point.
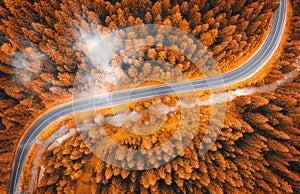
(27, 64)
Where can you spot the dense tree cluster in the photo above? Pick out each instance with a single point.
(72, 158)
(291, 50)
(39, 59)
(257, 151)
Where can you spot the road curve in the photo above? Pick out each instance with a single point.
(248, 69)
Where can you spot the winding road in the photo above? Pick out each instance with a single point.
(248, 69)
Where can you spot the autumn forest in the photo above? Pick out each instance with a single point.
(42, 47)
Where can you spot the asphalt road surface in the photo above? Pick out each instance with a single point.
(248, 69)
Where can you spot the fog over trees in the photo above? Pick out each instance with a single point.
(258, 147)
